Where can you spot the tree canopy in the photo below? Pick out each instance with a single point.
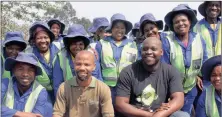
(18, 16)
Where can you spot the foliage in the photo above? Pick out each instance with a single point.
(20, 15)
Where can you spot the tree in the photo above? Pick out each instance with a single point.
(20, 15)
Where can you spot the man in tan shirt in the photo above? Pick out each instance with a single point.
(83, 95)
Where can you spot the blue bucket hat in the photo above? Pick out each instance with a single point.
(56, 21)
(186, 5)
(120, 17)
(43, 25)
(209, 65)
(148, 17)
(15, 36)
(74, 31)
(97, 23)
(28, 58)
(136, 26)
(182, 8)
(202, 8)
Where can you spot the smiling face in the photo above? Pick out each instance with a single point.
(216, 77)
(150, 30)
(24, 73)
(118, 30)
(12, 50)
(181, 24)
(213, 9)
(84, 65)
(55, 28)
(42, 41)
(151, 51)
(76, 46)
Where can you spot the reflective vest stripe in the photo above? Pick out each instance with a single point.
(31, 101)
(43, 79)
(64, 64)
(210, 103)
(112, 68)
(6, 74)
(177, 60)
(211, 50)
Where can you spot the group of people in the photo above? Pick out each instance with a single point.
(151, 73)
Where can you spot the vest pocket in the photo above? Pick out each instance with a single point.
(196, 64)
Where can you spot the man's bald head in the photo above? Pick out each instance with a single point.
(85, 54)
(153, 40)
(84, 65)
(151, 51)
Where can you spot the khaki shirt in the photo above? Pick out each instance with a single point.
(75, 101)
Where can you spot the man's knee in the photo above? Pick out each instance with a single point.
(180, 114)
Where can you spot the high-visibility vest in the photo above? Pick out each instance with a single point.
(6, 74)
(210, 103)
(177, 60)
(31, 101)
(59, 44)
(64, 64)
(204, 32)
(112, 68)
(43, 79)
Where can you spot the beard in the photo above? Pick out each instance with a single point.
(82, 78)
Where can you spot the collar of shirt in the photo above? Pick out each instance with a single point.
(52, 49)
(204, 21)
(75, 84)
(190, 39)
(217, 97)
(124, 41)
(16, 90)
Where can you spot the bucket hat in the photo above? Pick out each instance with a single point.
(28, 58)
(97, 23)
(120, 17)
(74, 31)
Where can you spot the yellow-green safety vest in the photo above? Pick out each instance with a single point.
(210, 103)
(64, 64)
(204, 32)
(6, 74)
(43, 79)
(111, 68)
(31, 101)
(177, 60)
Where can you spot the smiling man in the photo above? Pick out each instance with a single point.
(22, 95)
(143, 88)
(63, 67)
(210, 26)
(83, 95)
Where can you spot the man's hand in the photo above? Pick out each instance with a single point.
(26, 114)
(164, 106)
(199, 83)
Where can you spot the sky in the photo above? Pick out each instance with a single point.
(132, 10)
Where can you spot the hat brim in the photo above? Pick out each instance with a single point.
(189, 12)
(49, 32)
(51, 22)
(159, 24)
(16, 39)
(129, 26)
(93, 29)
(66, 39)
(209, 65)
(10, 63)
